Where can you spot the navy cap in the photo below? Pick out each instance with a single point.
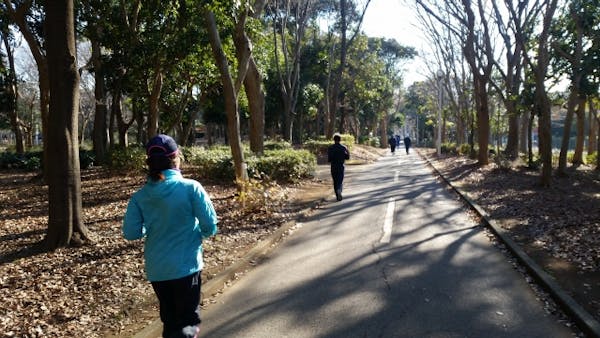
(161, 145)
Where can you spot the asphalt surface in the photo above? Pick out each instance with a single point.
(398, 257)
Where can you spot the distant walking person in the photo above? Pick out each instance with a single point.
(174, 214)
(337, 153)
(407, 143)
(392, 143)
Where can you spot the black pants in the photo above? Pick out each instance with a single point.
(337, 174)
(179, 300)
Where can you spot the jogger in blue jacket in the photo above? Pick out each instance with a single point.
(173, 214)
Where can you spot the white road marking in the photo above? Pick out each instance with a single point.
(388, 221)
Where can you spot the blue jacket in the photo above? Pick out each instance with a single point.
(174, 215)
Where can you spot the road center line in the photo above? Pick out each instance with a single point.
(388, 221)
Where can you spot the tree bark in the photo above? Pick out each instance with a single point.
(543, 106)
(65, 225)
(593, 127)
(230, 94)
(566, 138)
(523, 138)
(153, 103)
(512, 144)
(13, 93)
(100, 132)
(256, 105)
(578, 156)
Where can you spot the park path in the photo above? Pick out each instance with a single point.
(398, 257)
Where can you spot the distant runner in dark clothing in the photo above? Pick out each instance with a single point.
(336, 155)
(392, 143)
(407, 143)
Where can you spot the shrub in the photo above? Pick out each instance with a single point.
(32, 163)
(283, 165)
(10, 160)
(214, 162)
(591, 158)
(86, 158)
(464, 149)
(317, 147)
(449, 148)
(31, 160)
(570, 156)
(320, 145)
(129, 159)
(370, 141)
(277, 145)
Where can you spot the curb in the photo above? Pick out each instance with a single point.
(584, 320)
(258, 253)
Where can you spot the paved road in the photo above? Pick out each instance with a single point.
(398, 257)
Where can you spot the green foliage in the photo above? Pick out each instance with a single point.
(570, 156)
(536, 161)
(591, 158)
(449, 148)
(283, 165)
(464, 149)
(277, 145)
(30, 161)
(127, 159)
(86, 158)
(213, 163)
(317, 147)
(370, 141)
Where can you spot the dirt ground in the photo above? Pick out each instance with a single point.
(100, 289)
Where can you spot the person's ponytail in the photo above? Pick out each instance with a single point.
(156, 164)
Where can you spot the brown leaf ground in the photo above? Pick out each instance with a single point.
(99, 290)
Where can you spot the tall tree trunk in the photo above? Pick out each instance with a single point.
(593, 127)
(578, 156)
(512, 144)
(383, 131)
(157, 84)
(230, 94)
(523, 138)
(545, 133)
(530, 139)
(566, 138)
(13, 93)
(483, 119)
(256, 105)
(539, 70)
(65, 224)
(100, 133)
(460, 127)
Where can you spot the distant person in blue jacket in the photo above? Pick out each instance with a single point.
(174, 214)
(337, 153)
